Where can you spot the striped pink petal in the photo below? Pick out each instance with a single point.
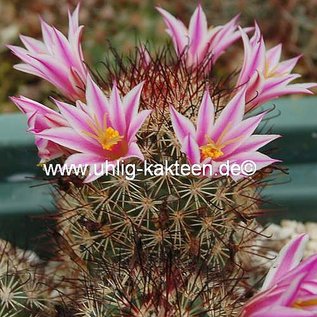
(254, 57)
(289, 257)
(97, 102)
(131, 102)
(84, 159)
(176, 29)
(134, 151)
(77, 119)
(27, 105)
(117, 115)
(33, 45)
(191, 149)
(205, 118)
(239, 134)
(69, 138)
(181, 125)
(73, 21)
(136, 123)
(197, 29)
(273, 55)
(225, 36)
(256, 141)
(287, 66)
(231, 115)
(259, 159)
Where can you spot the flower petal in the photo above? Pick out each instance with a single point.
(73, 20)
(225, 36)
(62, 48)
(254, 56)
(282, 90)
(205, 119)
(83, 159)
(288, 258)
(181, 125)
(281, 311)
(256, 141)
(287, 66)
(117, 116)
(291, 294)
(131, 101)
(53, 71)
(273, 55)
(231, 115)
(197, 29)
(68, 138)
(29, 69)
(97, 103)
(33, 45)
(47, 32)
(238, 134)
(136, 123)
(260, 161)
(77, 119)
(27, 105)
(176, 29)
(134, 151)
(191, 149)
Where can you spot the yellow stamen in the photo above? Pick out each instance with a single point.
(300, 304)
(106, 136)
(109, 138)
(211, 150)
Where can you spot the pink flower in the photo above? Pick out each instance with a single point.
(41, 118)
(290, 288)
(266, 77)
(101, 130)
(228, 138)
(57, 59)
(198, 43)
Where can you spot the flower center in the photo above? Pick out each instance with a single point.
(109, 138)
(211, 150)
(268, 73)
(271, 73)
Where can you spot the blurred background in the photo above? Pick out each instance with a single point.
(292, 22)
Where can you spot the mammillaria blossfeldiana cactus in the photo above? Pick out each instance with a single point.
(154, 234)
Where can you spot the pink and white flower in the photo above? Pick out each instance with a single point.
(41, 118)
(198, 43)
(103, 130)
(290, 288)
(57, 59)
(228, 138)
(265, 76)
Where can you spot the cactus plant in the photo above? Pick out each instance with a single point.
(140, 238)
